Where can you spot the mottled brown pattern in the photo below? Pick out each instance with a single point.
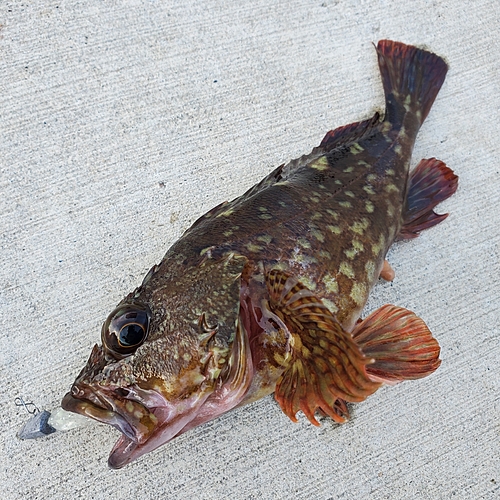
(263, 292)
(318, 206)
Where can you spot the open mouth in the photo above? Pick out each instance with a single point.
(89, 409)
(144, 427)
(125, 445)
(137, 422)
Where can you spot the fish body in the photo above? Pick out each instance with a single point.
(264, 294)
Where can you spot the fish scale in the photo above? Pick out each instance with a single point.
(264, 293)
(318, 205)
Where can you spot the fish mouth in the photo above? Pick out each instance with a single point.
(148, 419)
(129, 439)
(144, 426)
(88, 409)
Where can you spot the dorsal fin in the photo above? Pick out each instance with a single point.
(348, 134)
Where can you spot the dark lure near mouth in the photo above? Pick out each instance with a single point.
(264, 293)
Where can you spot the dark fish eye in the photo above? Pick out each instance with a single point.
(131, 335)
(126, 329)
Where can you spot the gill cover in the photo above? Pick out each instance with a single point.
(157, 374)
(224, 368)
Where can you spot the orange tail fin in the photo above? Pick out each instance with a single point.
(412, 78)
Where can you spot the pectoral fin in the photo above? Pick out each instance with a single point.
(326, 367)
(400, 343)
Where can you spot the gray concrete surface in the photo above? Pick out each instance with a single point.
(121, 122)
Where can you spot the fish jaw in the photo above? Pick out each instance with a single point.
(144, 427)
(176, 417)
(145, 411)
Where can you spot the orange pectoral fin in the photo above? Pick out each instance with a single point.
(430, 183)
(327, 367)
(400, 343)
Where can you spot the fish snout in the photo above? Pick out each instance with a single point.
(132, 418)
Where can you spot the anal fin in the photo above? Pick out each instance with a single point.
(326, 367)
(430, 183)
(400, 343)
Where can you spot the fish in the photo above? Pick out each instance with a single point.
(265, 293)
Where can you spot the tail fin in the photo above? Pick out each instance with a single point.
(412, 78)
(400, 344)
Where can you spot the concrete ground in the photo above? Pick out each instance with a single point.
(121, 122)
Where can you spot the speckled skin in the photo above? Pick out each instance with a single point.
(327, 219)
(216, 339)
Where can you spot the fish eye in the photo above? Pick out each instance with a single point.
(131, 335)
(126, 329)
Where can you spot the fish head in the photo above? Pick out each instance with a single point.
(174, 355)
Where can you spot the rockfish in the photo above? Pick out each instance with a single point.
(264, 293)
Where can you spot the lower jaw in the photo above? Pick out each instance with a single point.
(89, 409)
(133, 443)
(122, 452)
(126, 448)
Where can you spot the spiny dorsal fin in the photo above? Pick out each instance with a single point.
(341, 136)
(327, 367)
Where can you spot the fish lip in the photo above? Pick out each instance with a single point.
(122, 452)
(108, 416)
(129, 444)
(136, 439)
